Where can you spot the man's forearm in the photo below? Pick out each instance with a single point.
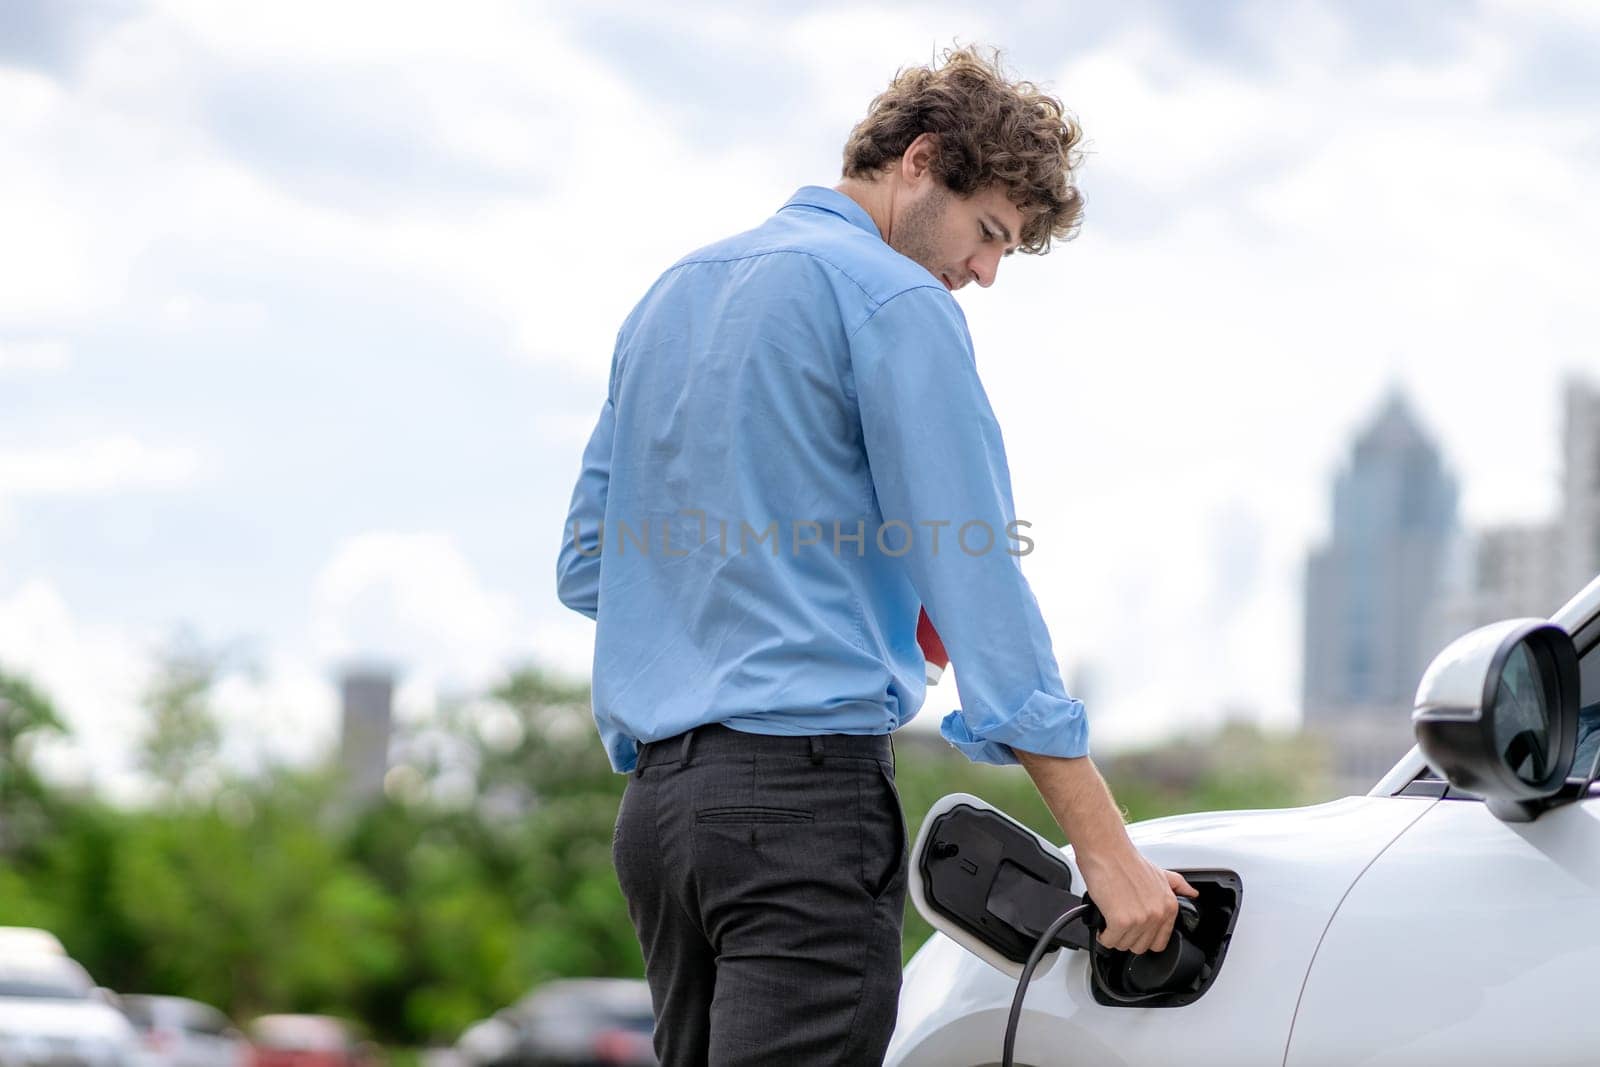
(1134, 896)
(1079, 799)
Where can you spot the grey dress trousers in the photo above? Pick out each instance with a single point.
(766, 879)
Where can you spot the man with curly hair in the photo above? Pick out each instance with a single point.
(794, 457)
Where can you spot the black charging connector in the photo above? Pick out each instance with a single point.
(1180, 965)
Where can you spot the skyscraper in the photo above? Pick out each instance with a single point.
(367, 696)
(1580, 485)
(1372, 592)
(1531, 568)
(1517, 572)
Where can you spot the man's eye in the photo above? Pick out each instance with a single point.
(986, 234)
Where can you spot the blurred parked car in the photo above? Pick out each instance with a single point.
(29, 941)
(307, 1041)
(178, 1032)
(51, 1014)
(580, 1022)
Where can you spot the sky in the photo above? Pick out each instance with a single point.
(306, 312)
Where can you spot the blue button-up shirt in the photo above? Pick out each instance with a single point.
(795, 454)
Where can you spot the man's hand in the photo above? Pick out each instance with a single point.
(1135, 896)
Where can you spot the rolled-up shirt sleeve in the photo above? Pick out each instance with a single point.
(939, 467)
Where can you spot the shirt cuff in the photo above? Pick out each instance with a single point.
(1046, 725)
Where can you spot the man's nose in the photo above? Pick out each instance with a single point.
(985, 266)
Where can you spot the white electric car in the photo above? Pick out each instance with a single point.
(1450, 916)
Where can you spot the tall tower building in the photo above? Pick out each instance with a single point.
(366, 696)
(1580, 485)
(1518, 573)
(1373, 592)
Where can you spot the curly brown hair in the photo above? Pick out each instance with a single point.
(989, 131)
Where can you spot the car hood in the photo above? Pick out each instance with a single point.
(1282, 834)
(80, 1019)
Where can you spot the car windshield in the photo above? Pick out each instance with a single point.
(1589, 714)
(139, 1011)
(45, 978)
(638, 1024)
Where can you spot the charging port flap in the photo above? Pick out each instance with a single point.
(988, 882)
(994, 887)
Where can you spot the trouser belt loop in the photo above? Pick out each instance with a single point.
(816, 750)
(688, 739)
(894, 760)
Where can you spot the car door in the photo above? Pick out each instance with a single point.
(1469, 940)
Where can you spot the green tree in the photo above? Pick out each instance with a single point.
(181, 738)
(494, 846)
(249, 903)
(26, 714)
(557, 857)
(74, 874)
(459, 928)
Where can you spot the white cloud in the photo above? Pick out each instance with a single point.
(183, 311)
(93, 672)
(362, 31)
(96, 674)
(414, 600)
(409, 599)
(97, 466)
(34, 355)
(564, 645)
(1562, 12)
(282, 711)
(529, 255)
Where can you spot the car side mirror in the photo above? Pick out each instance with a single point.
(1496, 714)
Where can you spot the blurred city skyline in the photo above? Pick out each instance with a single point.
(309, 312)
(1400, 576)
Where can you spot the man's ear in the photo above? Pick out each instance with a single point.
(916, 163)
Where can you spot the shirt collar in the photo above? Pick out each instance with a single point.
(831, 200)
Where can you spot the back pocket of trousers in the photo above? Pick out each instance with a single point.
(749, 813)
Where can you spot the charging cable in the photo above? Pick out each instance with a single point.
(1039, 948)
(1093, 922)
